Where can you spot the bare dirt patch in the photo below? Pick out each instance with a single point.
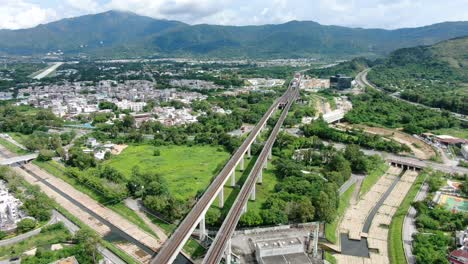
(420, 149)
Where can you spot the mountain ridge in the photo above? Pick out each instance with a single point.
(120, 31)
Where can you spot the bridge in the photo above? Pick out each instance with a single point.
(196, 216)
(18, 159)
(333, 116)
(221, 245)
(416, 164)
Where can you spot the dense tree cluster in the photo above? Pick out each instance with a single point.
(13, 120)
(376, 108)
(321, 129)
(423, 78)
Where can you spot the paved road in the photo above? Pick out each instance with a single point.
(361, 79)
(29, 234)
(47, 71)
(409, 226)
(12, 160)
(353, 179)
(448, 168)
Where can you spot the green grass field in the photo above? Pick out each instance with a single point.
(455, 132)
(12, 147)
(395, 243)
(187, 170)
(331, 228)
(372, 178)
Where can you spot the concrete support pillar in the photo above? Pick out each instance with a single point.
(249, 154)
(252, 193)
(228, 252)
(221, 198)
(242, 163)
(244, 210)
(265, 164)
(270, 155)
(260, 177)
(233, 178)
(202, 229)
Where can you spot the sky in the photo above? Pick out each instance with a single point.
(389, 14)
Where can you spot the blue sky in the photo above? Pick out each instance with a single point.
(388, 14)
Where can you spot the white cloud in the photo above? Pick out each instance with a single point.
(84, 5)
(359, 13)
(16, 14)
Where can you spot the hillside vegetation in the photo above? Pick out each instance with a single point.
(115, 33)
(436, 75)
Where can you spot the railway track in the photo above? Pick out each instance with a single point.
(218, 247)
(175, 243)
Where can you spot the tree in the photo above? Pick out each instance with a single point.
(251, 218)
(325, 208)
(301, 211)
(107, 105)
(356, 158)
(156, 153)
(25, 225)
(88, 242)
(45, 155)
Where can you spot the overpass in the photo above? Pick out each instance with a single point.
(222, 242)
(18, 159)
(196, 216)
(416, 164)
(333, 116)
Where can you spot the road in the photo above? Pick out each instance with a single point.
(361, 79)
(422, 163)
(47, 71)
(409, 226)
(220, 243)
(353, 179)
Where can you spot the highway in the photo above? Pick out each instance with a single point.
(174, 244)
(361, 79)
(218, 247)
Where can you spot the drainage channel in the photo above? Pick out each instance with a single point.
(115, 234)
(360, 248)
(372, 214)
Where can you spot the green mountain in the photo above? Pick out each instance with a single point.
(90, 33)
(434, 75)
(122, 32)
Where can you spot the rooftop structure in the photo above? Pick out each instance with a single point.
(281, 250)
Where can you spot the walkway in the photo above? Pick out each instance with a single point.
(409, 225)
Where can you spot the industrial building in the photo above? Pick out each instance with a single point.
(281, 250)
(340, 82)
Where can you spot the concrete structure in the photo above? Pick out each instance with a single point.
(221, 244)
(464, 151)
(282, 250)
(196, 216)
(18, 159)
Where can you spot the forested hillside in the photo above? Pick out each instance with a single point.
(436, 76)
(116, 33)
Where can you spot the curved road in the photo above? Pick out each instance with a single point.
(361, 79)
